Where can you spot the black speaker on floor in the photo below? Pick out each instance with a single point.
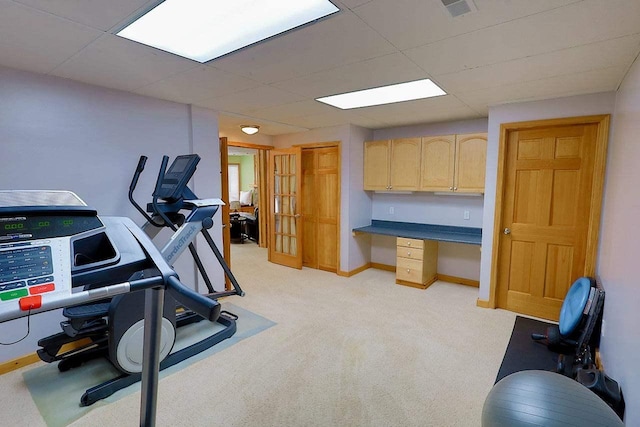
(608, 389)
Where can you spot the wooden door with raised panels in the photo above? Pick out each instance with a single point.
(404, 169)
(285, 172)
(376, 165)
(471, 159)
(321, 193)
(438, 162)
(547, 200)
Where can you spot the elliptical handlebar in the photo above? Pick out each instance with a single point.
(156, 192)
(134, 182)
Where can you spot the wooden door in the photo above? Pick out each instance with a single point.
(285, 172)
(471, 159)
(321, 207)
(226, 223)
(309, 191)
(438, 162)
(546, 212)
(376, 165)
(404, 166)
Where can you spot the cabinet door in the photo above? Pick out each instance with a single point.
(376, 165)
(438, 161)
(405, 164)
(471, 159)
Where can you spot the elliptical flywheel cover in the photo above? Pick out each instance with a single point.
(129, 352)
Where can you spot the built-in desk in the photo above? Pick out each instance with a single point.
(417, 247)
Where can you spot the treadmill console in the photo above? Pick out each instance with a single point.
(33, 268)
(45, 237)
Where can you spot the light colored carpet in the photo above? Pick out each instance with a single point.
(358, 351)
(57, 394)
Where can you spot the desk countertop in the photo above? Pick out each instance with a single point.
(444, 233)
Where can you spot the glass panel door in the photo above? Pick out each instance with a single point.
(285, 170)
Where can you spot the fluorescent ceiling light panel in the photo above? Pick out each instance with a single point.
(409, 91)
(203, 30)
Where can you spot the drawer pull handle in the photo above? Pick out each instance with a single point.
(408, 271)
(408, 253)
(408, 243)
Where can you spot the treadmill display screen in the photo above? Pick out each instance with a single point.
(18, 228)
(25, 263)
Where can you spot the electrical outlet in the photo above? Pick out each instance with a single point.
(391, 210)
(467, 215)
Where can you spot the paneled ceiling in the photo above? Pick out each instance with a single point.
(505, 51)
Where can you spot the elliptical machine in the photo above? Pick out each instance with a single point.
(113, 328)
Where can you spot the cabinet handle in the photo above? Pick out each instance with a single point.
(408, 253)
(408, 271)
(455, 188)
(408, 243)
(451, 188)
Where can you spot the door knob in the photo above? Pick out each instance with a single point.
(507, 231)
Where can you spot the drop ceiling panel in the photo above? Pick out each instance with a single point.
(338, 40)
(335, 118)
(36, 41)
(291, 110)
(100, 14)
(412, 23)
(114, 62)
(601, 80)
(198, 83)
(550, 31)
(232, 123)
(380, 71)
(422, 110)
(621, 51)
(247, 100)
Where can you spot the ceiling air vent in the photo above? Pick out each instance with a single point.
(459, 7)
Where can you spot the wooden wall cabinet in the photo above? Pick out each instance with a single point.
(376, 165)
(448, 163)
(453, 163)
(416, 262)
(392, 164)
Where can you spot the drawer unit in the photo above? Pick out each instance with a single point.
(416, 262)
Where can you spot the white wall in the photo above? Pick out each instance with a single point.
(428, 208)
(619, 251)
(62, 135)
(359, 201)
(582, 105)
(355, 205)
(207, 183)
